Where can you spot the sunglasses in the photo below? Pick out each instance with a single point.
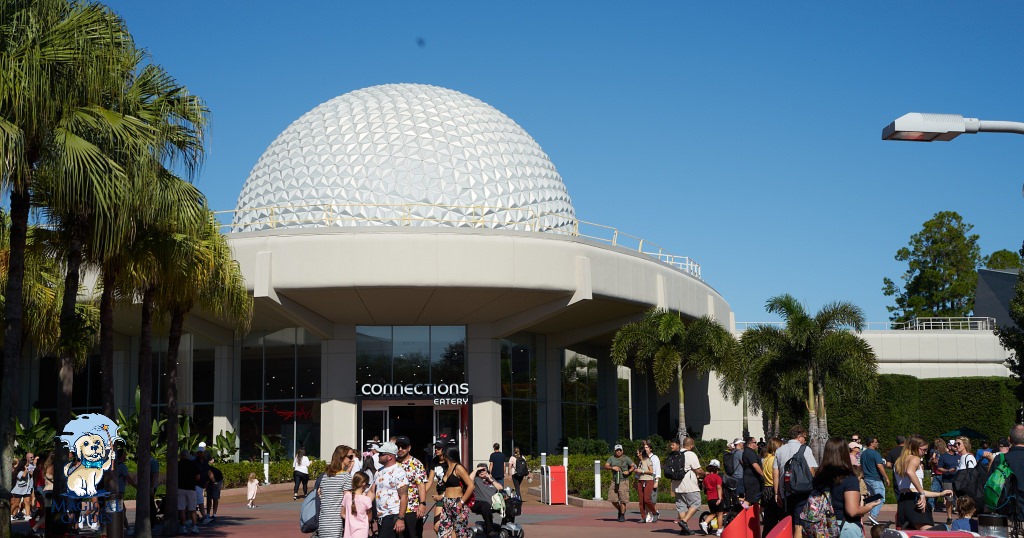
(350, 457)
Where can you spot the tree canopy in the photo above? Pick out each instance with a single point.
(1012, 336)
(1003, 259)
(942, 270)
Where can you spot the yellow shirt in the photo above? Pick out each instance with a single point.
(768, 468)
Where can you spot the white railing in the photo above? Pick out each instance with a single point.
(493, 217)
(916, 324)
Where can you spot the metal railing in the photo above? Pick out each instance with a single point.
(459, 216)
(916, 324)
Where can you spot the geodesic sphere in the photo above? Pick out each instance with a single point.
(404, 155)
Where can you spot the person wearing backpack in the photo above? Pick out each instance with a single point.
(685, 481)
(912, 510)
(793, 479)
(834, 507)
(1015, 459)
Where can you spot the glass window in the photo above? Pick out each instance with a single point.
(203, 370)
(279, 362)
(307, 380)
(252, 367)
(373, 354)
(448, 354)
(307, 427)
(411, 363)
(579, 396)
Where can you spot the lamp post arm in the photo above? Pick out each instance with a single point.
(989, 126)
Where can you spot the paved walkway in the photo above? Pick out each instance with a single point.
(277, 515)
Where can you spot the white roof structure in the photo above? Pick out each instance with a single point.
(404, 155)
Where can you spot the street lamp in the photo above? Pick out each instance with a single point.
(923, 127)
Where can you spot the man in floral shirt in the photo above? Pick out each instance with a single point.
(416, 474)
(392, 493)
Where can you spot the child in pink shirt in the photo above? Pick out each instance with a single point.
(356, 506)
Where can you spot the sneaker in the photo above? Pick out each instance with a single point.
(649, 519)
(703, 527)
(657, 516)
(182, 530)
(206, 520)
(213, 518)
(622, 517)
(683, 528)
(872, 519)
(194, 530)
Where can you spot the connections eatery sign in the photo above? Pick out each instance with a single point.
(443, 393)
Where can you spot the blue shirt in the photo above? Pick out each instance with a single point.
(869, 461)
(949, 461)
(977, 456)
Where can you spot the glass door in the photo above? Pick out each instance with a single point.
(375, 428)
(446, 426)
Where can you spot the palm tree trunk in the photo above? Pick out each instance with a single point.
(107, 342)
(812, 422)
(13, 309)
(174, 341)
(746, 418)
(681, 431)
(143, 528)
(776, 427)
(822, 415)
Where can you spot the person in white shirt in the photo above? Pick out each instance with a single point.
(656, 463)
(300, 473)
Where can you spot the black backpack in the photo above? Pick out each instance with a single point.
(522, 469)
(971, 482)
(675, 466)
(728, 462)
(796, 474)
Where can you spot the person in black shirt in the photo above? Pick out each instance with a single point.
(753, 474)
(894, 454)
(1015, 459)
(188, 475)
(836, 476)
(496, 464)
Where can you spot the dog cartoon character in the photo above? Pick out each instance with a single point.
(91, 438)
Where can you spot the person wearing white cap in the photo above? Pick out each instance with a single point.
(392, 493)
(618, 491)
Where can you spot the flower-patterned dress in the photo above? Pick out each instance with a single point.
(454, 521)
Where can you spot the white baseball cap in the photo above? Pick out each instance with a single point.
(738, 441)
(714, 463)
(202, 446)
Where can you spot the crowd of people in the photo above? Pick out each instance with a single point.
(388, 492)
(783, 478)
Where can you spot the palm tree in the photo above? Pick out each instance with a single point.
(57, 59)
(817, 349)
(662, 341)
(737, 379)
(199, 270)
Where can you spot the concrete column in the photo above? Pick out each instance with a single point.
(549, 394)
(227, 382)
(338, 410)
(607, 398)
(483, 373)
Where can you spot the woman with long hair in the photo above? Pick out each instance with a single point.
(21, 491)
(645, 482)
(512, 463)
(300, 472)
(458, 490)
(773, 512)
(837, 477)
(912, 510)
(336, 480)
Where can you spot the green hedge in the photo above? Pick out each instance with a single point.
(237, 474)
(905, 404)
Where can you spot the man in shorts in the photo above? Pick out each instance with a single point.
(687, 490)
(618, 492)
(213, 487)
(187, 478)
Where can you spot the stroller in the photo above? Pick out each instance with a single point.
(510, 507)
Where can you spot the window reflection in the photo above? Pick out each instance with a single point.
(411, 354)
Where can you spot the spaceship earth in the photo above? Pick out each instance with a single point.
(404, 155)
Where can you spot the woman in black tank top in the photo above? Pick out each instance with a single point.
(458, 489)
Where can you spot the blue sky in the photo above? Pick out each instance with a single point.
(744, 135)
